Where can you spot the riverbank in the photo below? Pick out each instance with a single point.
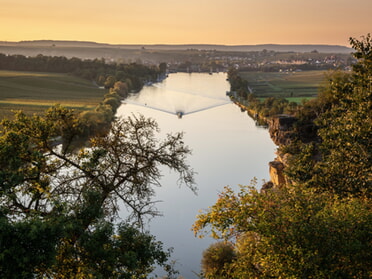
(280, 128)
(254, 114)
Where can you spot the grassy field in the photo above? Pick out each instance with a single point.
(34, 92)
(294, 86)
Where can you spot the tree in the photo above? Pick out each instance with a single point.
(363, 52)
(109, 82)
(121, 88)
(345, 129)
(342, 115)
(292, 233)
(75, 197)
(216, 259)
(27, 246)
(163, 68)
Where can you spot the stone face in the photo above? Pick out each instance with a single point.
(282, 132)
(276, 173)
(281, 129)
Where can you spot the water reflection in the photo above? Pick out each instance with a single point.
(228, 149)
(180, 98)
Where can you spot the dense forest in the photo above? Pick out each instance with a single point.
(318, 224)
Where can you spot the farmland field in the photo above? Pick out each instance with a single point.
(34, 92)
(292, 85)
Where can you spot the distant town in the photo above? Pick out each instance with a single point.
(196, 58)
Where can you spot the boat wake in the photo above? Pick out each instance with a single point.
(180, 113)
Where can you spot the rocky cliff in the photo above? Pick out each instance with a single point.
(281, 129)
(282, 132)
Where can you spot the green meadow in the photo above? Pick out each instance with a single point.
(293, 86)
(35, 92)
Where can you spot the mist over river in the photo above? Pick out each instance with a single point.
(227, 149)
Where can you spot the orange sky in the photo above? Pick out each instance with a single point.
(229, 22)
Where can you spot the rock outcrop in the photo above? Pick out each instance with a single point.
(281, 129)
(282, 132)
(277, 176)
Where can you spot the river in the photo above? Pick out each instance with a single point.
(227, 149)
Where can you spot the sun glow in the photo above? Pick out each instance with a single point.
(194, 21)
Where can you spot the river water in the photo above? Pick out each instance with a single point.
(227, 149)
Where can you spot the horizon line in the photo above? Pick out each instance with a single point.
(175, 44)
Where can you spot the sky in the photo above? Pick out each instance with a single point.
(228, 22)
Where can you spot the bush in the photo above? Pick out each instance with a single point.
(216, 259)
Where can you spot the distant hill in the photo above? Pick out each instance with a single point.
(157, 53)
(269, 47)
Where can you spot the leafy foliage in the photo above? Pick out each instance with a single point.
(64, 204)
(216, 259)
(27, 246)
(106, 252)
(342, 113)
(292, 233)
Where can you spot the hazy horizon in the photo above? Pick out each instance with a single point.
(160, 44)
(145, 22)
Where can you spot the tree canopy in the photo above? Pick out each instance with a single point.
(342, 115)
(58, 209)
(292, 233)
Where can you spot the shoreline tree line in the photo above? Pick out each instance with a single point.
(97, 70)
(118, 79)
